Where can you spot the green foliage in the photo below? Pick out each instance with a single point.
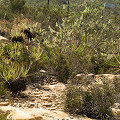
(73, 101)
(17, 5)
(3, 116)
(82, 40)
(23, 60)
(13, 69)
(2, 90)
(63, 69)
(94, 102)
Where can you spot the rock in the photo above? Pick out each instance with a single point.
(47, 104)
(105, 78)
(7, 100)
(46, 98)
(117, 76)
(31, 104)
(80, 76)
(69, 118)
(4, 103)
(41, 104)
(36, 93)
(116, 111)
(57, 87)
(4, 40)
(91, 77)
(16, 98)
(42, 71)
(39, 86)
(47, 95)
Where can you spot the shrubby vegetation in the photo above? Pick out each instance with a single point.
(2, 117)
(94, 102)
(84, 39)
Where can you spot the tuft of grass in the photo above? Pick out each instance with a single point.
(3, 115)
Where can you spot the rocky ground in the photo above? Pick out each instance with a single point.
(39, 102)
(44, 99)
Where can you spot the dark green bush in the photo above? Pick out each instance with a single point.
(63, 69)
(74, 101)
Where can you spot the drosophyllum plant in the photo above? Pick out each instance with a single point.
(14, 71)
(16, 60)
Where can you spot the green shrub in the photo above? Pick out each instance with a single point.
(94, 102)
(63, 69)
(3, 115)
(73, 101)
(16, 60)
(3, 91)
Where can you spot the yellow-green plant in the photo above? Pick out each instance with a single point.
(14, 70)
(20, 60)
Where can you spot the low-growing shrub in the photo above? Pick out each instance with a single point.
(73, 101)
(94, 102)
(3, 115)
(63, 69)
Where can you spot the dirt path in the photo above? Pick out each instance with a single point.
(41, 103)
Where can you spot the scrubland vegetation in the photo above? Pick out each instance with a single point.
(85, 39)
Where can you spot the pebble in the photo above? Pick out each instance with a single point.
(48, 104)
(45, 98)
(36, 93)
(33, 99)
(16, 98)
(37, 90)
(42, 71)
(4, 103)
(37, 96)
(7, 100)
(32, 105)
(48, 95)
(52, 108)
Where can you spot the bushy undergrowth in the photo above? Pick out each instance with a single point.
(63, 69)
(94, 102)
(2, 89)
(3, 115)
(64, 42)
